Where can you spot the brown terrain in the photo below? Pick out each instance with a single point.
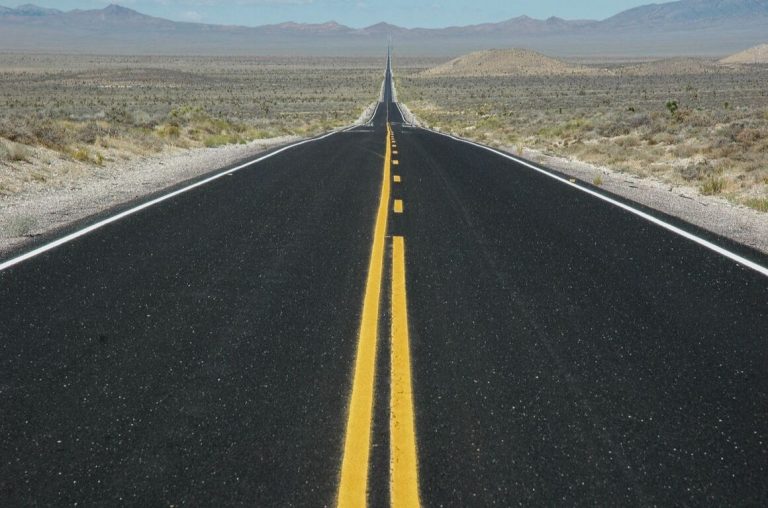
(756, 55)
(689, 122)
(508, 62)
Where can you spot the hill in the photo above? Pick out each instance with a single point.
(756, 55)
(685, 27)
(506, 62)
(673, 67)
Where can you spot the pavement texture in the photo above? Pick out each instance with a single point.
(563, 351)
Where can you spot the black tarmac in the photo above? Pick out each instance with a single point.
(564, 351)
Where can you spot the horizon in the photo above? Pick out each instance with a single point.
(354, 14)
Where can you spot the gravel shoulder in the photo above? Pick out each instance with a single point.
(717, 215)
(43, 209)
(74, 191)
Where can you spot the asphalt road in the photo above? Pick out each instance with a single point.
(387, 313)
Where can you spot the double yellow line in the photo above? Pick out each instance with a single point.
(353, 486)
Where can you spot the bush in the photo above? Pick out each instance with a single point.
(81, 154)
(16, 152)
(759, 204)
(220, 140)
(713, 185)
(672, 107)
(89, 133)
(169, 131)
(698, 171)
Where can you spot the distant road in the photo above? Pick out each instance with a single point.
(384, 315)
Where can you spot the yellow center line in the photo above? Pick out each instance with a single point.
(404, 481)
(398, 206)
(353, 484)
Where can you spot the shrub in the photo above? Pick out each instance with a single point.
(759, 204)
(169, 131)
(17, 153)
(672, 107)
(713, 185)
(748, 136)
(81, 154)
(220, 140)
(698, 171)
(89, 134)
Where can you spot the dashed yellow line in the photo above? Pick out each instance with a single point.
(398, 206)
(395, 163)
(353, 484)
(404, 481)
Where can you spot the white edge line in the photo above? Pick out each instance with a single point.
(650, 218)
(405, 122)
(77, 234)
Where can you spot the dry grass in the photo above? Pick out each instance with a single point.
(86, 109)
(708, 130)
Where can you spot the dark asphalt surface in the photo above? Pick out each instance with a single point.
(564, 352)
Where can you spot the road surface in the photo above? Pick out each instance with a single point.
(388, 316)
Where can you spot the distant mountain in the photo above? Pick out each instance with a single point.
(756, 55)
(685, 27)
(689, 14)
(29, 10)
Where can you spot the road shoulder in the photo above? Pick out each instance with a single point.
(38, 211)
(717, 215)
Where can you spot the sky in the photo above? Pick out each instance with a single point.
(355, 13)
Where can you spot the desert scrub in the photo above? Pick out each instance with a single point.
(713, 185)
(15, 152)
(81, 106)
(169, 131)
(221, 140)
(623, 122)
(759, 204)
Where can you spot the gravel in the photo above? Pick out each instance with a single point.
(42, 209)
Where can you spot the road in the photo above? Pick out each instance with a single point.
(384, 316)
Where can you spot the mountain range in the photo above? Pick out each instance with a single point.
(684, 27)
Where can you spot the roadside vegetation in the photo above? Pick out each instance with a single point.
(61, 117)
(706, 129)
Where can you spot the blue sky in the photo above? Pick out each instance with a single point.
(356, 13)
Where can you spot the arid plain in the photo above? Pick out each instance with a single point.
(66, 120)
(689, 121)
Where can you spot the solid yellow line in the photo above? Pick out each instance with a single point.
(398, 206)
(353, 484)
(404, 479)
(397, 179)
